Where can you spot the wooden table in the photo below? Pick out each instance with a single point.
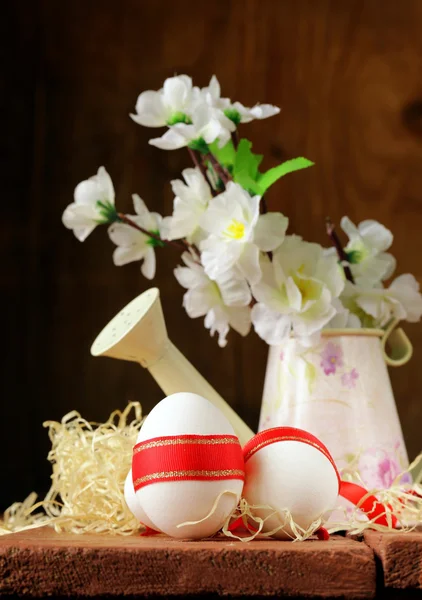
(42, 563)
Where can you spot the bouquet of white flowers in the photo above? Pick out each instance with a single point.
(240, 268)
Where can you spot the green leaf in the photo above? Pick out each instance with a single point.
(245, 171)
(265, 180)
(225, 155)
(243, 164)
(246, 160)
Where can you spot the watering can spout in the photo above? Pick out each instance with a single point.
(138, 333)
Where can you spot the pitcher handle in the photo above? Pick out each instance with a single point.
(401, 346)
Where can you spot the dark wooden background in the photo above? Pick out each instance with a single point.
(348, 75)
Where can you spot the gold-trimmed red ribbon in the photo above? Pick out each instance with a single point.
(187, 457)
(286, 434)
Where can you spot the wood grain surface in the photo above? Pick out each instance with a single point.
(42, 563)
(348, 78)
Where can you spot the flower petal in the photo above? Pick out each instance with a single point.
(176, 92)
(219, 257)
(87, 193)
(331, 273)
(294, 297)
(217, 321)
(98, 187)
(173, 138)
(199, 300)
(349, 228)
(248, 263)
(375, 235)
(150, 110)
(81, 233)
(273, 327)
(76, 215)
(239, 319)
(125, 255)
(145, 219)
(270, 231)
(190, 277)
(405, 289)
(126, 236)
(106, 185)
(234, 291)
(149, 264)
(263, 111)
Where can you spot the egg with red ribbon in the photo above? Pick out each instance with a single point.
(134, 505)
(288, 469)
(187, 467)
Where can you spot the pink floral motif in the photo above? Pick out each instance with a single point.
(378, 469)
(349, 379)
(281, 356)
(331, 358)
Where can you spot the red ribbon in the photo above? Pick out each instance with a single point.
(286, 434)
(371, 506)
(187, 457)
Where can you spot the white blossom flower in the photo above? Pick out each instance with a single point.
(224, 303)
(344, 318)
(237, 234)
(235, 111)
(132, 244)
(401, 300)
(190, 202)
(93, 205)
(366, 251)
(207, 125)
(296, 291)
(170, 105)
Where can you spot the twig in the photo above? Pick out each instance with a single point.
(235, 139)
(178, 244)
(219, 169)
(340, 252)
(263, 205)
(200, 165)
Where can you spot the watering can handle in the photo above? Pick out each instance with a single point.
(401, 346)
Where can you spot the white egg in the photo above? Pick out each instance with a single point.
(171, 503)
(133, 503)
(290, 475)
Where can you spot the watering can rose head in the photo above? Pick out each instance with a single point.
(239, 266)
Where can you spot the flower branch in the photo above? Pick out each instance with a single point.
(180, 245)
(219, 169)
(240, 267)
(332, 234)
(197, 161)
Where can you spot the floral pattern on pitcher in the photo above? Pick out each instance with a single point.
(328, 361)
(378, 468)
(331, 358)
(332, 363)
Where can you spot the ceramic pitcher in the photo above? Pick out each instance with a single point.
(340, 391)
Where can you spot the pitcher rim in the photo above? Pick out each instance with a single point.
(363, 332)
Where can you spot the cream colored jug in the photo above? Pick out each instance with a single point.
(340, 391)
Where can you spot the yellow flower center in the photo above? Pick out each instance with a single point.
(236, 230)
(333, 360)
